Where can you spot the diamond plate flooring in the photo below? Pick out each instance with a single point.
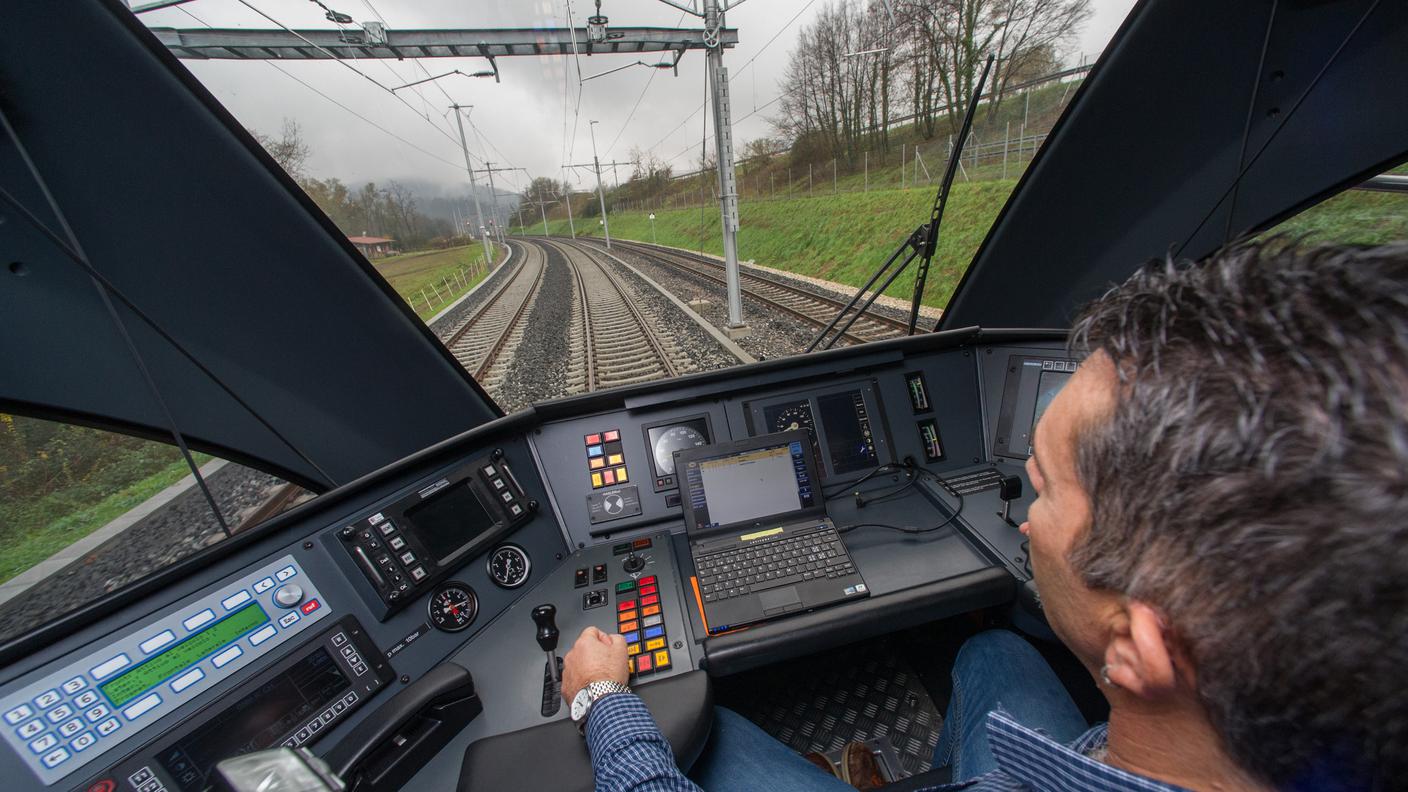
(822, 702)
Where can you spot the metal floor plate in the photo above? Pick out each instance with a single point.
(822, 702)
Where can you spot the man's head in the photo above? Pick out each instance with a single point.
(1223, 501)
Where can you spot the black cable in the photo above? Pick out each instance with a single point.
(945, 523)
(877, 470)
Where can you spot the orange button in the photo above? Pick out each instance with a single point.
(621, 475)
(648, 590)
(628, 626)
(651, 600)
(596, 462)
(650, 610)
(625, 606)
(662, 659)
(633, 649)
(654, 643)
(626, 615)
(644, 664)
(631, 663)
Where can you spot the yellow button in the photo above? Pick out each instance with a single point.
(654, 643)
(662, 659)
(632, 649)
(596, 479)
(621, 474)
(613, 459)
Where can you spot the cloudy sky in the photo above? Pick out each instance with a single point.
(359, 131)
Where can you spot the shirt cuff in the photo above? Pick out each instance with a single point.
(616, 717)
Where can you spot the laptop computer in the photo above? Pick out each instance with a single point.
(756, 520)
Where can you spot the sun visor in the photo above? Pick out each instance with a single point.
(1204, 119)
(215, 292)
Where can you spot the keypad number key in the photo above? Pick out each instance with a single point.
(30, 729)
(47, 699)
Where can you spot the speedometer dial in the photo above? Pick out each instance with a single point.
(676, 438)
(509, 565)
(453, 606)
(796, 416)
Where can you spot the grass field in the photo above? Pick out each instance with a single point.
(415, 274)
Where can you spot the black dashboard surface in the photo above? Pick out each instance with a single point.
(594, 544)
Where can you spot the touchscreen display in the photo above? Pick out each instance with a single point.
(257, 721)
(449, 520)
(850, 445)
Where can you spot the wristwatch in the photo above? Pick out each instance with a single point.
(589, 695)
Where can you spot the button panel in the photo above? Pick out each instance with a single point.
(60, 722)
(639, 621)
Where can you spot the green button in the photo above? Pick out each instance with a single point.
(622, 588)
(621, 549)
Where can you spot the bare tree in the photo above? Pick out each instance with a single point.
(289, 149)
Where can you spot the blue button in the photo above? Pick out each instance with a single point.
(653, 632)
(594, 451)
(631, 637)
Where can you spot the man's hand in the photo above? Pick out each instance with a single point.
(596, 657)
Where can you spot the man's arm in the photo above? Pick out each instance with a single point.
(627, 749)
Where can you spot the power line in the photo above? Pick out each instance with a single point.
(635, 106)
(379, 127)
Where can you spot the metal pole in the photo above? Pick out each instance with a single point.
(543, 208)
(567, 199)
(600, 194)
(473, 188)
(723, 150)
(1007, 137)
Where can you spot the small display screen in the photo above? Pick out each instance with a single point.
(918, 393)
(849, 443)
(450, 520)
(182, 655)
(749, 486)
(1047, 387)
(257, 721)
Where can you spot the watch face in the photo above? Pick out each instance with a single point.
(579, 704)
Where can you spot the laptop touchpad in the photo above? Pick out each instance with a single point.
(779, 599)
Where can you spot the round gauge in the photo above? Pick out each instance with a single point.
(509, 565)
(676, 438)
(798, 417)
(453, 606)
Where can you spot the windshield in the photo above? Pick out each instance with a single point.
(552, 207)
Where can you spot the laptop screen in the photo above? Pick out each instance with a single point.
(763, 481)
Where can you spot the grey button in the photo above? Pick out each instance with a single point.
(288, 595)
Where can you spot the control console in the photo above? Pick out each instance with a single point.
(64, 720)
(416, 541)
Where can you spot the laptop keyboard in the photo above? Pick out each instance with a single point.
(759, 566)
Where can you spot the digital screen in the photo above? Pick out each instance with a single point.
(450, 520)
(846, 422)
(749, 486)
(1047, 387)
(257, 721)
(189, 651)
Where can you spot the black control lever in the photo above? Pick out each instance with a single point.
(1009, 489)
(545, 616)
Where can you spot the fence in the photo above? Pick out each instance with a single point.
(451, 286)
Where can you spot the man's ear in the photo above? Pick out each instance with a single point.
(1138, 657)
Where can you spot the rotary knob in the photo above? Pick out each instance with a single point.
(633, 563)
(288, 596)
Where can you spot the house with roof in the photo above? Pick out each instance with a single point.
(374, 247)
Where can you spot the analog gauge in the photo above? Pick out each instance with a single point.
(675, 438)
(509, 565)
(453, 606)
(793, 416)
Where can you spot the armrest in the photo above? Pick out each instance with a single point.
(554, 756)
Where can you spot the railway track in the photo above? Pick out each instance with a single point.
(775, 294)
(497, 327)
(614, 337)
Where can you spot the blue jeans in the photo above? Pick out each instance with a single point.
(995, 668)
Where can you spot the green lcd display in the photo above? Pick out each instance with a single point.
(187, 652)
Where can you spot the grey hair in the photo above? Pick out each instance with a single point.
(1252, 484)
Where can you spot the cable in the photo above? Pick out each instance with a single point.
(877, 470)
(905, 530)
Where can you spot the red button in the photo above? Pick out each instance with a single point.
(611, 435)
(625, 606)
(648, 581)
(640, 544)
(309, 606)
(648, 590)
(651, 600)
(609, 477)
(644, 663)
(593, 439)
(106, 785)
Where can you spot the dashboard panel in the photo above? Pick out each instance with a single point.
(299, 634)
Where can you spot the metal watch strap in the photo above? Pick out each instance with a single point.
(595, 692)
